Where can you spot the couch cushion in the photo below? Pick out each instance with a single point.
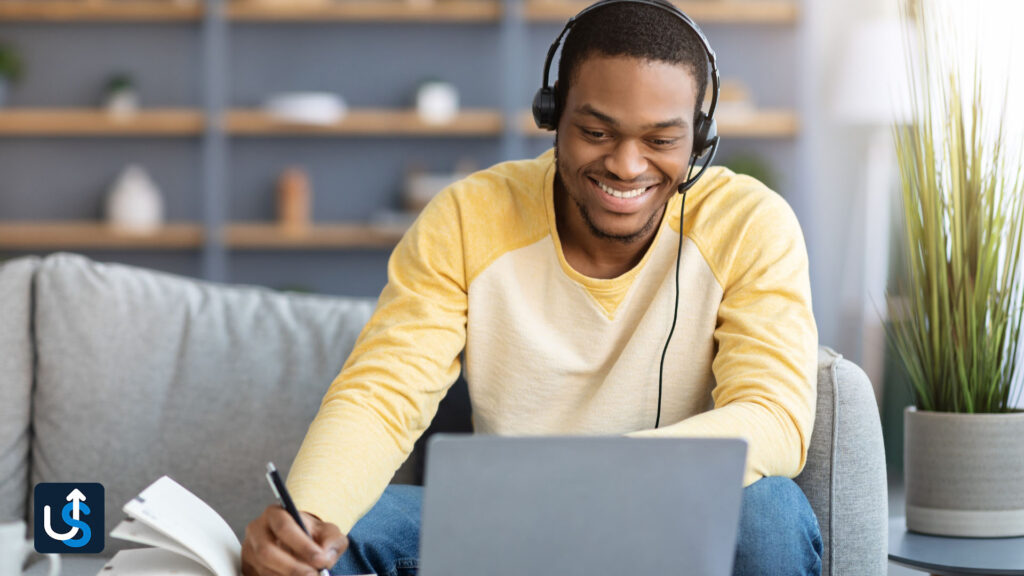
(142, 374)
(15, 384)
(845, 479)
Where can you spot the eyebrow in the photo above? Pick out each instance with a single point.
(591, 111)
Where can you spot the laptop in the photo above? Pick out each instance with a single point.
(530, 506)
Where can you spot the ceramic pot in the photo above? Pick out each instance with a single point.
(964, 473)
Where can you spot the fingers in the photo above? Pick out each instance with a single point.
(262, 556)
(330, 538)
(287, 531)
(275, 546)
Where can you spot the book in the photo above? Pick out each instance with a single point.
(186, 536)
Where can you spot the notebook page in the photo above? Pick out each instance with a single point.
(134, 531)
(180, 515)
(151, 562)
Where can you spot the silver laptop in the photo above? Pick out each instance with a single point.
(539, 506)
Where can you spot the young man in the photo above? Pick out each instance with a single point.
(556, 276)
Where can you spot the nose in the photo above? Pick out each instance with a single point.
(626, 161)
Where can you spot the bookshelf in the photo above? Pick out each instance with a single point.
(228, 211)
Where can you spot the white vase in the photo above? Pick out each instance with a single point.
(135, 204)
(437, 102)
(964, 473)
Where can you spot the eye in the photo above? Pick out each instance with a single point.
(593, 134)
(664, 142)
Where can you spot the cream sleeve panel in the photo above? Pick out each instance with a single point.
(388, 391)
(766, 336)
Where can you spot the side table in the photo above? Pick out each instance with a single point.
(942, 556)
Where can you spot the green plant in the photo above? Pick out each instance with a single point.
(120, 81)
(957, 324)
(11, 67)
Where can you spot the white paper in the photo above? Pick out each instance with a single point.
(151, 562)
(135, 531)
(171, 510)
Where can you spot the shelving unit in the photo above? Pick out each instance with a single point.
(370, 11)
(264, 236)
(85, 235)
(368, 123)
(706, 12)
(98, 11)
(96, 122)
(219, 124)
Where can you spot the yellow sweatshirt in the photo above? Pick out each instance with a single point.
(550, 351)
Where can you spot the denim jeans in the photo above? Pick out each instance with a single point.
(778, 533)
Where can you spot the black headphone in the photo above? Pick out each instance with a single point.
(705, 130)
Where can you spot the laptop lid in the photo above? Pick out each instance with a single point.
(527, 506)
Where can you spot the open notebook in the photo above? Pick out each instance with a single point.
(188, 537)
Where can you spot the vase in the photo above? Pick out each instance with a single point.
(964, 473)
(135, 204)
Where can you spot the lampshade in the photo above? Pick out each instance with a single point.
(872, 87)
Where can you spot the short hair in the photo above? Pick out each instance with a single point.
(637, 30)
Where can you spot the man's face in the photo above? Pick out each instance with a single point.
(623, 143)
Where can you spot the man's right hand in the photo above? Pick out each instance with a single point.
(275, 545)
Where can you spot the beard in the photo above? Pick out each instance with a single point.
(630, 238)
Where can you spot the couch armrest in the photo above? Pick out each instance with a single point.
(845, 477)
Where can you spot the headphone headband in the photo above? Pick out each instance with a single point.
(670, 8)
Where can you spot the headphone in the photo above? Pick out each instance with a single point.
(705, 131)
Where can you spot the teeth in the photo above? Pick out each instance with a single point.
(626, 194)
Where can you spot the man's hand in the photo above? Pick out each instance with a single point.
(275, 545)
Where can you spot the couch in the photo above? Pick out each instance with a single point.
(118, 375)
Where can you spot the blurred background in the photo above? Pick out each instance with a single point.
(288, 143)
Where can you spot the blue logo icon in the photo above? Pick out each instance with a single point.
(79, 529)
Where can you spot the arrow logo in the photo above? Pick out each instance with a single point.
(76, 498)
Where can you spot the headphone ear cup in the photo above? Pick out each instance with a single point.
(701, 134)
(545, 109)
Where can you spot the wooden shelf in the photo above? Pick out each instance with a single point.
(759, 124)
(271, 236)
(703, 12)
(96, 235)
(99, 11)
(368, 10)
(97, 122)
(367, 122)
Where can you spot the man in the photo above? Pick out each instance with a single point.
(556, 276)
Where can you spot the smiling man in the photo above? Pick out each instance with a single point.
(557, 277)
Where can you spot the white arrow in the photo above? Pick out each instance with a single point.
(75, 497)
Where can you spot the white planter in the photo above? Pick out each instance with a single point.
(964, 473)
(135, 204)
(437, 102)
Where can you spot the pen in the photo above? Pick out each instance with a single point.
(286, 501)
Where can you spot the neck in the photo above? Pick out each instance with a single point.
(593, 255)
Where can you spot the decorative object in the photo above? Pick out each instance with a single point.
(121, 98)
(314, 108)
(437, 102)
(135, 204)
(294, 200)
(956, 319)
(421, 186)
(10, 69)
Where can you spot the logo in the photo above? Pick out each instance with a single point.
(69, 518)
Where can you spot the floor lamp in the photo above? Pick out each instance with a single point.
(872, 91)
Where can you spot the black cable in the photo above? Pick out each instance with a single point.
(675, 309)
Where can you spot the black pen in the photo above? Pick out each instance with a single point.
(286, 502)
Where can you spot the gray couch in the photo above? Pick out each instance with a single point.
(119, 375)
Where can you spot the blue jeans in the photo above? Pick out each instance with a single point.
(778, 533)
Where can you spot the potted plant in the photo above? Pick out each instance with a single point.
(956, 324)
(10, 69)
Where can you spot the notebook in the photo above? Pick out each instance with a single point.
(589, 506)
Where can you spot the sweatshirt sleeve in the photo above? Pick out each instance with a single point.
(766, 345)
(388, 390)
